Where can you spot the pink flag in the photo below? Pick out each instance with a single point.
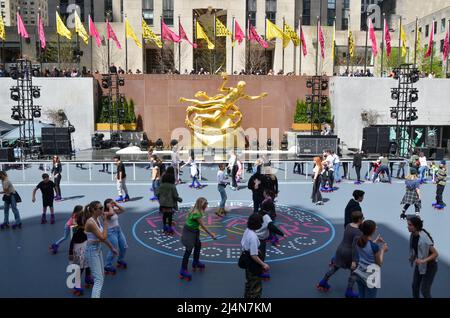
(21, 27)
(373, 38)
(168, 34)
(183, 36)
(387, 38)
(112, 35)
(238, 34)
(93, 32)
(41, 32)
(302, 38)
(254, 36)
(322, 41)
(446, 48)
(430, 44)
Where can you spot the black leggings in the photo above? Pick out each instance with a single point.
(416, 206)
(167, 218)
(333, 269)
(234, 170)
(57, 182)
(422, 283)
(187, 253)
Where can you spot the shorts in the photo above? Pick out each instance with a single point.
(47, 202)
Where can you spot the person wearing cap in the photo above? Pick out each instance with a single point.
(412, 194)
(441, 177)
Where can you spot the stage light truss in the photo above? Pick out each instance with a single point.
(317, 99)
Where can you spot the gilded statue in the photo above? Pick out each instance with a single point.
(216, 115)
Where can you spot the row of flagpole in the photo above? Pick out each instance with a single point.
(272, 31)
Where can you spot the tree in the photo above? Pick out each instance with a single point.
(389, 62)
(424, 64)
(66, 52)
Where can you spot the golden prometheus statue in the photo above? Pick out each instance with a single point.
(213, 119)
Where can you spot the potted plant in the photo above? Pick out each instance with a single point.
(302, 117)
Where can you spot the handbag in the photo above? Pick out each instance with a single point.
(247, 262)
(17, 197)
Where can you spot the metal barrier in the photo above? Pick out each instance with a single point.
(139, 172)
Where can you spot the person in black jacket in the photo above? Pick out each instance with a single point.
(357, 163)
(353, 205)
(56, 173)
(256, 184)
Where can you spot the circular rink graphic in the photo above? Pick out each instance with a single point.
(306, 232)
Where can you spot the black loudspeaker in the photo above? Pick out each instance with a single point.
(436, 153)
(376, 140)
(7, 155)
(56, 141)
(316, 145)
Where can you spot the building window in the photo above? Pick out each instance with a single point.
(306, 12)
(109, 10)
(435, 27)
(345, 12)
(427, 30)
(442, 46)
(271, 10)
(331, 12)
(168, 11)
(443, 22)
(147, 11)
(80, 4)
(251, 12)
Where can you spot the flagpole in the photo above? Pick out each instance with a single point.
(265, 39)
(92, 49)
(59, 44)
(295, 55)
(399, 42)
(382, 43)
(448, 41)
(109, 57)
(248, 44)
(365, 49)
(21, 53)
(179, 45)
(162, 47)
(195, 41)
(232, 45)
(78, 51)
(432, 48)
(317, 47)
(301, 46)
(144, 67)
(348, 46)
(39, 37)
(415, 42)
(215, 44)
(282, 59)
(126, 45)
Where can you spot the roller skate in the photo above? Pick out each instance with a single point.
(127, 198)
(434, 203)
(184, 274)
(122, 265)
(170, 230)
(358, 182)
(52, 219)
(198, 265)
(403, 215)
(17, 226)
(110, 270)
(154, 198)
(43, 219)
(275, 240)
(438, 206)
(332, 261)
(120, 199)
(53, 248)
(4, 226)
(323, 285)
(165, 228)
(265, 276)
(78, 291)
(220, 212)
(89, 281)
(349, 293)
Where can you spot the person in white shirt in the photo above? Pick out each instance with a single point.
(255, 266)
(221, 185)
(423, 166)
(336, 165)
(233, 168)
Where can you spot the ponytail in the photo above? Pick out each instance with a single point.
(429, 235)
(367, 228)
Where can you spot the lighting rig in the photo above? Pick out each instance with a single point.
(317, 100)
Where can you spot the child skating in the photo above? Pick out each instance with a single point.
(47, 188)
(71, 222)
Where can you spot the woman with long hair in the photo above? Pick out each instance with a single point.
(96, 233)
(115, 236)
(56, 173)
(423, 256)
(369, 254)
(10, 200)
(412, 194)
(168, 198)
(317, 176)
(190, 237)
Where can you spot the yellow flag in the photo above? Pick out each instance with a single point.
(333, 44)
(130, 33)
(222, 30)
(80, 30)
(273, 31)
(351, 44)
(61, 29)
(147, 33)
(403, 37)
(2, 29)
(202, 35)
(292, 34)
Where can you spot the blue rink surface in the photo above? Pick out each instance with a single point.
(29, 270)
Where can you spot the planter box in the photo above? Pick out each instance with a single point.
(107, 126)
(306, 126)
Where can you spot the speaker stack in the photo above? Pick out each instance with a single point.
(376, 140)
(56, 141)
(7, 155)
(315, 145)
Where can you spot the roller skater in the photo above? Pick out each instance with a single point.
(327, 178)
(317, 176)
(168, 198)
(121, 178)
(115, 235)
(412, 194)
(56, 173)
(71, 222)
(48, 189)
(191, 236)
(156, 175)
(221, 186)
(441, 177)
(11, 198)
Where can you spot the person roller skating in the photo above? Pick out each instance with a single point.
(412, 194)
(168, 198)
(441, 177)
(48, 190)
(67, 228)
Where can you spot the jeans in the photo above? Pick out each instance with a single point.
(223, 196)
(155, 185)
(401, 168)
(364, 291)
(122, 187)
(422, 283)
(336, 167)
(13, 204)
(381, 169)
(66, 235)
(422, 170)
(94, 257)
(117, 239)
(195, 182)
